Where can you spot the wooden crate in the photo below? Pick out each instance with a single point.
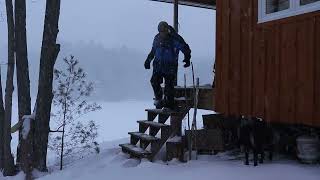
(206, 140)
(228, 126)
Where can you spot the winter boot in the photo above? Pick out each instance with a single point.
(158, 103)
(170, 104)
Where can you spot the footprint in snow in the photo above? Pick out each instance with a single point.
(120, 157)
(112, 151)
(130, 163)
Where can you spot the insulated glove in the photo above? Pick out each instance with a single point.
(147, 64)
(187, 63)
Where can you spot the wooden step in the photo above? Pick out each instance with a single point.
(154, 128)
(135, 151)
(164, 112)
(163, 115)
(175, 148)
(144, 137)
(149, 141)
(183, 104)
(183, 99)
(153, 124)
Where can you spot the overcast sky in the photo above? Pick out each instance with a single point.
(117, 23)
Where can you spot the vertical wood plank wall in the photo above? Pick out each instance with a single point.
(269, 70)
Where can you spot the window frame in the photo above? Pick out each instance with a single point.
(294, 9)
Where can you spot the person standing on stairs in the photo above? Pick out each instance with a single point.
(165, 54)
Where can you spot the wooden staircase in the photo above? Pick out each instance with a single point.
(155, 131)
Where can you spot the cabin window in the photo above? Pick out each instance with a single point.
(305, 2)
(270, 10)
(273, 6)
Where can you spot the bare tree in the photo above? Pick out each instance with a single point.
(9, 168)
(23, 81)
(49, 52)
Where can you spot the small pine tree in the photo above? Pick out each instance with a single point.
(70, 100)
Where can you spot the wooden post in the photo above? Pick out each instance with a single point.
(176, 15)
(175, 26)
(176, 123)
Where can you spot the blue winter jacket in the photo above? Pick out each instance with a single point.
(165, 52)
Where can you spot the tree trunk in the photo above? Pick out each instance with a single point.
(23, 81)
(1, 126)
(9, 168)
(63, 131)
(62, 146)
(49, 52)
(27, 147)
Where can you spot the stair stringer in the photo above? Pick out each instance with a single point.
(156, 147)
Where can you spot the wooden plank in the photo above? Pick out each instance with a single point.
(219, 101)
(305, 75)
(276, 85)
(316, 120)
(223, 98)
(272, 75)
(259, 73)
(269, 73)
(226, 51)
(288, 73)
(245, 18)
(234, 64)
(255, 12)
(134, 150)
(255, 61)
(252, 26)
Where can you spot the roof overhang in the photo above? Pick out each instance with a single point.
(208, 4)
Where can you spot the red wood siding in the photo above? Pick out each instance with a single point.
(269, 70)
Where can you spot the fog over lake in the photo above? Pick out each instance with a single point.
(111, 39)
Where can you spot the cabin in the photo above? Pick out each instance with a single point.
(267, 63)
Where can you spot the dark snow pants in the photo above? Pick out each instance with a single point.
(156, 81)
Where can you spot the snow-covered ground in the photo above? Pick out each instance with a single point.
(111, 163)
(117, 118)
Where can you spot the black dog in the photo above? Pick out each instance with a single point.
(257, 136)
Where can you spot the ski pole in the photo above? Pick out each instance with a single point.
(194, 104)
(195, 118)
(185, 95)
(187, 108)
